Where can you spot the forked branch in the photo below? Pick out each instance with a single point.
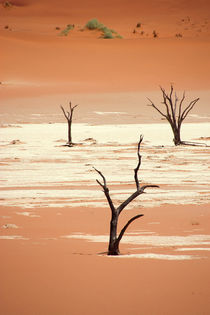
(68, 114)
(113, 239)
(105, 190)
(127, 225)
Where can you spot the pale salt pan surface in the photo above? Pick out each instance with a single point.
(32, 170)
(158, 256)
(13, 237)
(149, 240)
(156, 241)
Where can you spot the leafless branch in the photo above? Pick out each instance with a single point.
(180, 108)
(188, 109)
(127, 225)
(153, 105)
(139, 163)
(64, 112)
(105, 190)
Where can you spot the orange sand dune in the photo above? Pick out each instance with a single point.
(35, 60)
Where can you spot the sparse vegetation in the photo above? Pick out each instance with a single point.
(7, 4)
(178, 35)
(138, 25)
(155, 34)
(118, 36)
(107, 33)
(66, 31)
(93, 24)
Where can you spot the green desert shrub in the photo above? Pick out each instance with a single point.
(107, 35)
(68, 28)
(118, 36)
(94, 24)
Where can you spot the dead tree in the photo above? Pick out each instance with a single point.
(175, 112)
(69, 116)
(114, 239)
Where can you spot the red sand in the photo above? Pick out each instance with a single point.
(37, 62)
(51, 275)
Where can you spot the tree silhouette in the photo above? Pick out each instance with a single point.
(114, 239)
(175, 112)
(69, 116)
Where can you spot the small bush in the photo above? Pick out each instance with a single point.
(93, 24)
(68, 28)
(113, 31)
(155, 34)
(107, 33)
(7, 4)
(103, 28)
(118, 36)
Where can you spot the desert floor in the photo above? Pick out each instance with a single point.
(54, 219)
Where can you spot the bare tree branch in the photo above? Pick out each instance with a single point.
(105, 190)
(64, 112)
(133, 196)
(104, 179)
(128, 200)
(180, 108)
(169, 98)
(122, 232)
(148, 186)
(175, 104)
(188, 109)
(139, 163)
(153, 105)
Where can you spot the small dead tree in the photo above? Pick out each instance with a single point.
(69, 116)
(114, 239)
(174, 113)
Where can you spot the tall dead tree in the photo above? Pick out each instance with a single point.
(175, 112)
(114, 239)
(69, 116)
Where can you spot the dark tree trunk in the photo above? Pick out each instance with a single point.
(177, 138)
(113, 248)
(177, 135)
(69, 132)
